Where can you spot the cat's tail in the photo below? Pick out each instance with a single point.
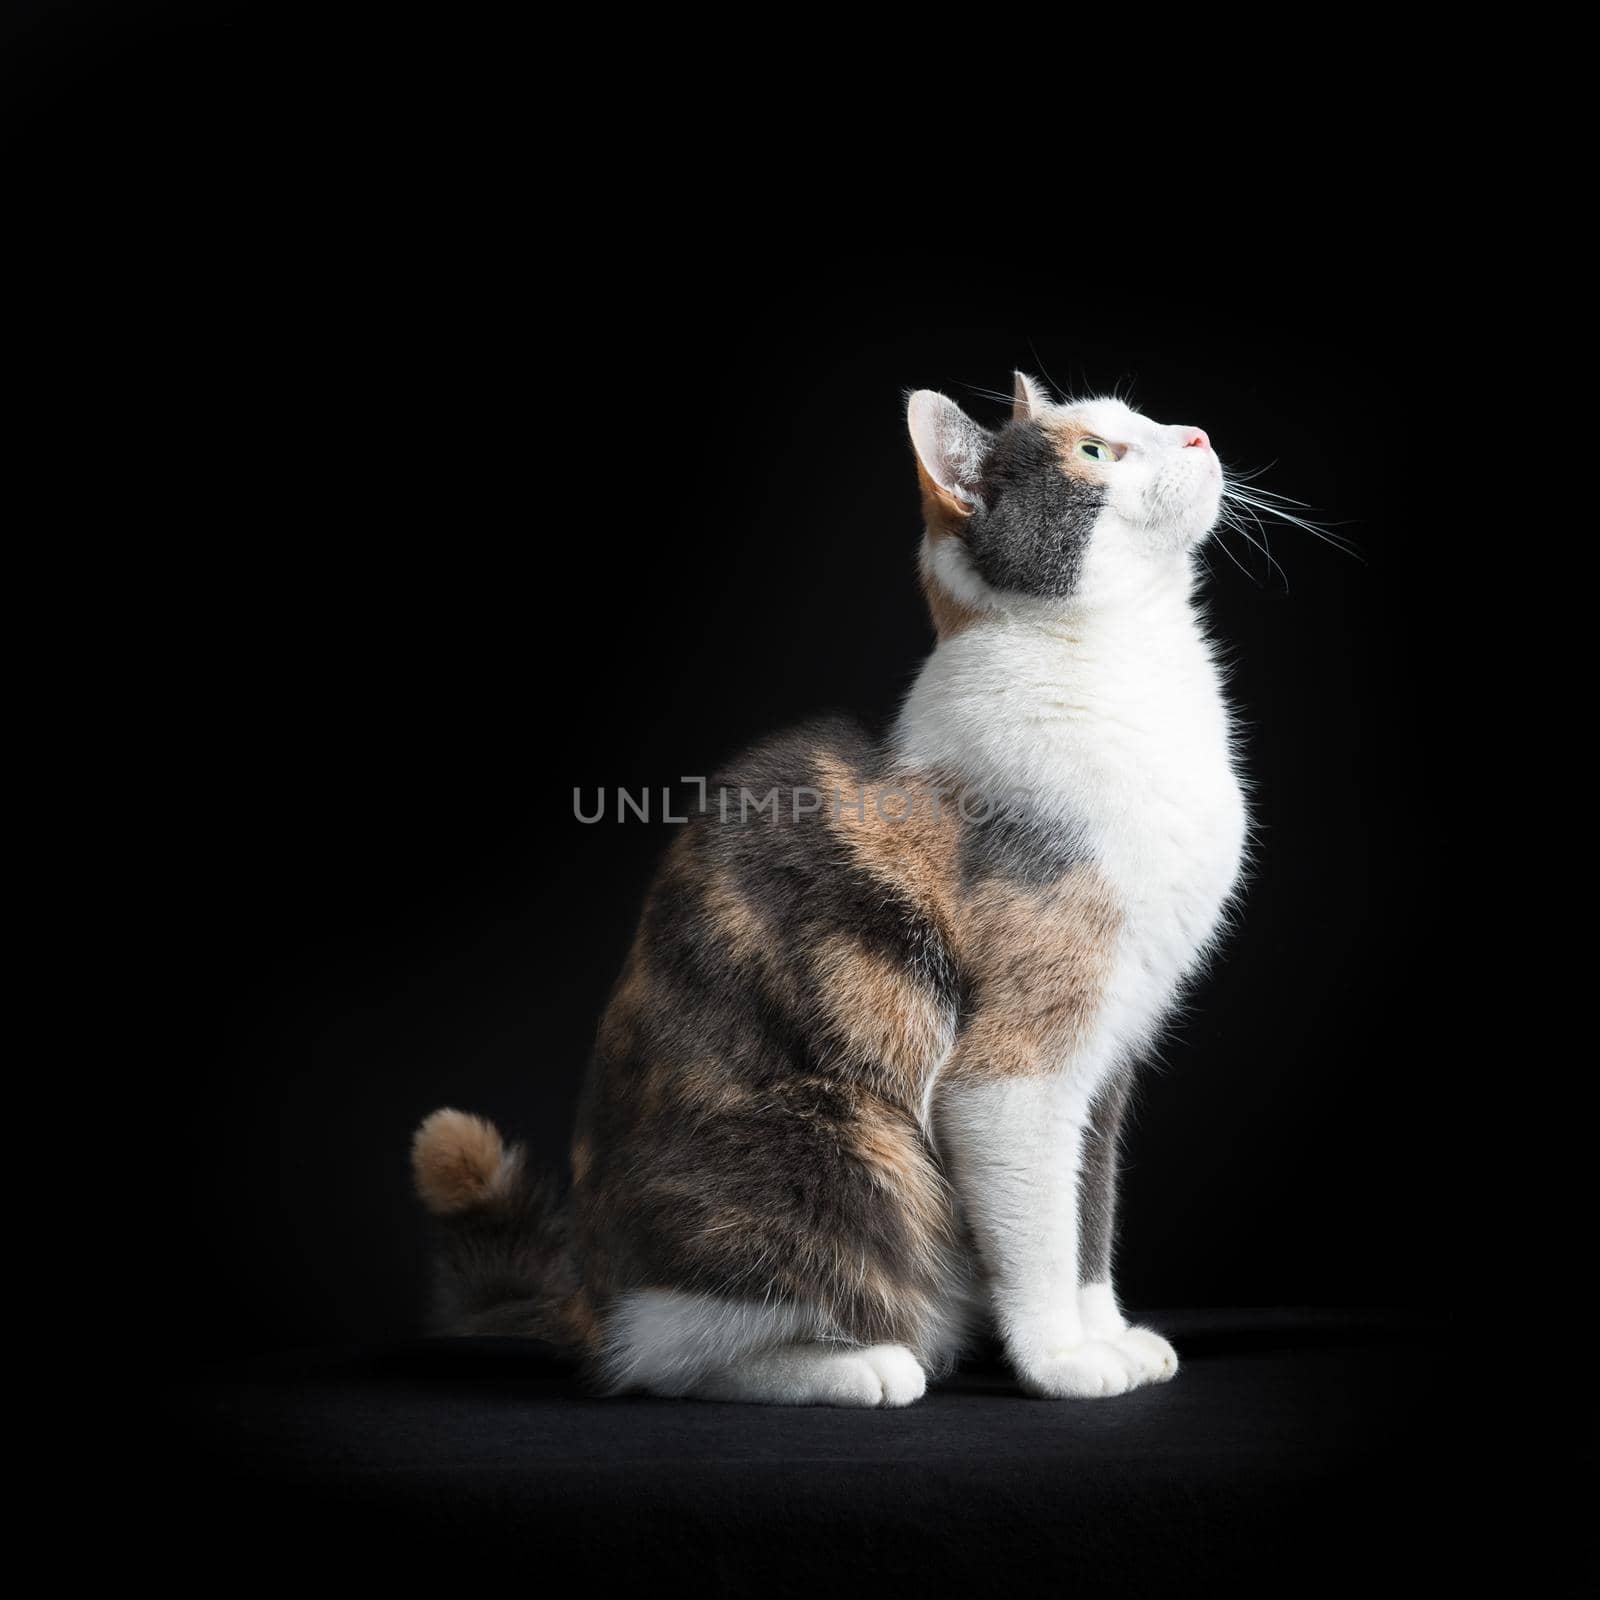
(503, 1257)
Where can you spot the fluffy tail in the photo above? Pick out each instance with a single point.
(503, 1261)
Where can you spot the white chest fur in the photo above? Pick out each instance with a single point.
(1112, 725)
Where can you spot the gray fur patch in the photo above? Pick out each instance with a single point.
(1097, 1180)
(1036, 520)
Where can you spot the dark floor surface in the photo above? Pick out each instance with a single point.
(1295, 1452)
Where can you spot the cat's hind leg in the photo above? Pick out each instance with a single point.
(683, 1345)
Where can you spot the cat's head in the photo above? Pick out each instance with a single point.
(1066, 501)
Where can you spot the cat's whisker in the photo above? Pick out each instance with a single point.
(1235, 519)
(1048, 378)
(1222, 545)
(1247, 474)
(1272, 565)
(1269, 494)
(1256, 500)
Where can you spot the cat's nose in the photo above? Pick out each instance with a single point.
(1198, 439)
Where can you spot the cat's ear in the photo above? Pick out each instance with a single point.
(950, 448)
(1028, 397)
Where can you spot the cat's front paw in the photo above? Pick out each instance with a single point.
(1148, 1356)
(1151, 1357)
(1085, 1371)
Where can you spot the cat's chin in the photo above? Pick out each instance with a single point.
(1162, 542)
(1192, 532)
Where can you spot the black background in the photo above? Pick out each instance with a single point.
(457, 459)
(416, 416)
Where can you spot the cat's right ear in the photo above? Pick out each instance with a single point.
(950, 450)
(1028, 399)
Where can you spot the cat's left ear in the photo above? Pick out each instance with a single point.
(950, 449)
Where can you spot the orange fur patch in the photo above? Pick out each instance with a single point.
(1040, 961)
(459, 1162)
(1066, 433)
(945, 516)
(736, 920)
(949, 614)
(880, 1013)
(903, 832)
(892, 1146)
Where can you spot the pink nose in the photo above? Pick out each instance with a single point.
(1198, 438)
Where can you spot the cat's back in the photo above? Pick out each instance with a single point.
(826, 838)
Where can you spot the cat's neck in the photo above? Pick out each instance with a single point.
(1154, 603)
(1008, 698)
(1132, 618)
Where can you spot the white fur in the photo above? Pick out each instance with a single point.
(1148, 1355)
(678, 1345)
(666, 1340)
(817, 1374)
(1013, 1149)
(1099, 1312)
(1104, 712)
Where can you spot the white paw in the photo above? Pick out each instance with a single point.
(900, 1374)
(818, 1375)
(844, 1380)
(881, 1375)
(1080, 1372)
(1148, 1356)
(1151, 1357)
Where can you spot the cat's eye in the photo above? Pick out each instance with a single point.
(1096, 450)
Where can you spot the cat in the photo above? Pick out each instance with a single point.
(855, 1097)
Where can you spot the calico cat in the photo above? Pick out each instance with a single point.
(856, 1093)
